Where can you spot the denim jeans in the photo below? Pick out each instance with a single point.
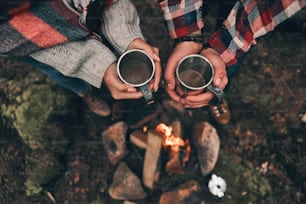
(75, 85)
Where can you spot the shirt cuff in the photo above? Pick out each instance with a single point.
(222, 42)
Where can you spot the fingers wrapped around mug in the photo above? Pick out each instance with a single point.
(137, 69)
(195, 75)
(180, 51)
(117, 88)
(220, 76)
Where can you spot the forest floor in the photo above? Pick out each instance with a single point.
(268, 125)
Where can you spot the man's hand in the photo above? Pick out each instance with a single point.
(180, 51)
(220, 80)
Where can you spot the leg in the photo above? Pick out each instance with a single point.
(78, 86)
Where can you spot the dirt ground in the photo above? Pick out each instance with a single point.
(268, 124)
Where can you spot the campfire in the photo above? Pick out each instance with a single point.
(172, 141)
(164, 136)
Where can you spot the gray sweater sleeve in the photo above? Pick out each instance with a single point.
(121, 25)
(87, 60)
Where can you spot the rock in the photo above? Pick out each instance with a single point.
(207, 145)
(114, 141)
(181, 194)
(126, 185)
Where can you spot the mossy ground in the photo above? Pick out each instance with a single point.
(266, 97)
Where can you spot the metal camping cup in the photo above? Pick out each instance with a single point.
(137, 69)
(195, 74)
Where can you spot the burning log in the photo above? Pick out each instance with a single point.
(173, 106)
(143, 115)
(180, 195)
(129, 202)
(176, 111)
(174, 165)
(207, 145)
(177, 128)
(113, 139)
(125, 185)
(173, 142)
(151, 167)
(139, 138)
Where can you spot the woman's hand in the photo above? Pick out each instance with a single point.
(117, 88)
(120, 90)
(153, 52)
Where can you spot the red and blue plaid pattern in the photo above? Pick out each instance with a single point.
(182, 17)
(248, 20)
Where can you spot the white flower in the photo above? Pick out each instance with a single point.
(217, 185)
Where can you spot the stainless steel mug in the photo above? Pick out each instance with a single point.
(195, 74)
(136, 68)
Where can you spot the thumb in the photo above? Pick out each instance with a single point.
(217, 81)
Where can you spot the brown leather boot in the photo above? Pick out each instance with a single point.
(97, 105)
(221, 112)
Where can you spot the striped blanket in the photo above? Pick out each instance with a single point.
(31, 28)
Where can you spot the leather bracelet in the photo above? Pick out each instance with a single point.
(193, 38)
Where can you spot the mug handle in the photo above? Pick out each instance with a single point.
(147, 94)
(219, 94)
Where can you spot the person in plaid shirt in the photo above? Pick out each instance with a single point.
(247, 21)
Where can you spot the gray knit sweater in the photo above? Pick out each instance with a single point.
(89, 59)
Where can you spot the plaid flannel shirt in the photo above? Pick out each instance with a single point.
(247, 21)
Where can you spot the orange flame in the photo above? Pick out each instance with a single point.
(173, 141)
(145, 129)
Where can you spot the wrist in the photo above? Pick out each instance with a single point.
(206, 46)
(196, 38)
(193, 47)
(193, 41)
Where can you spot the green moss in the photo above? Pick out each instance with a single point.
(33, 106)
(32, 188)
(264, 99)
(244, 183)
(30, 113)
(41, 167)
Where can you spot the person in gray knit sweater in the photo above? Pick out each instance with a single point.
(83, 61)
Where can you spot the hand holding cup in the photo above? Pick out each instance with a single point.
(136, 68)
(195, 74)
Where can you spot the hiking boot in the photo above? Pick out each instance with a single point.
(220, 112)
(97, 105)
